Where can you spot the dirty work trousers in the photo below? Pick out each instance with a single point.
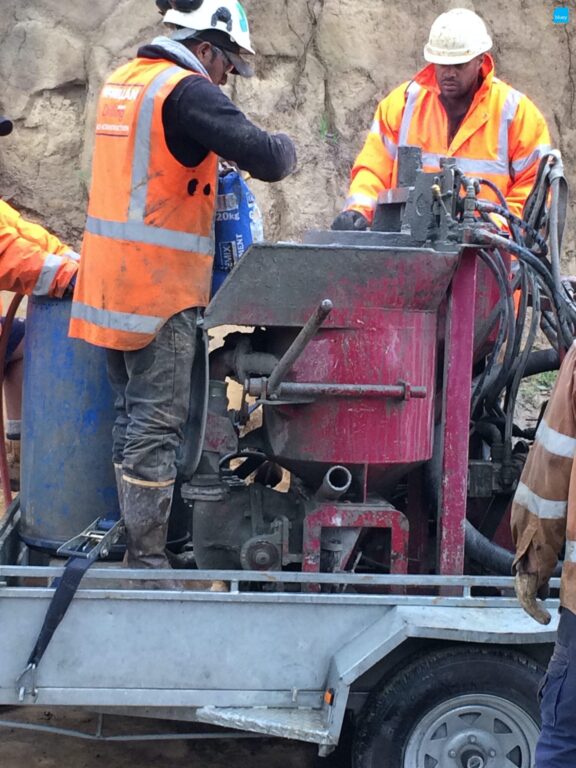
(152, 400)
(557, 743)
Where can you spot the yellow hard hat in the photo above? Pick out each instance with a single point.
(456, 37)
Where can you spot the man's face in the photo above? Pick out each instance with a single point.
(456, 80)
(217, 63)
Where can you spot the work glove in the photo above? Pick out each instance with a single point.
(350, 221)
(527, 590)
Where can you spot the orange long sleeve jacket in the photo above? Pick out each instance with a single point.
(502, 138)
(32, 261)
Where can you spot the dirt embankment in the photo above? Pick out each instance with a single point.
(322, 66)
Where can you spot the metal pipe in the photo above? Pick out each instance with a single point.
(401, 391)
(298, 345)
(336, 482)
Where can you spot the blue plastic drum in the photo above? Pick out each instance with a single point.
(67, 474)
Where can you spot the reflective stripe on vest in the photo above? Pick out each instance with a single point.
(118, 321)
(468, 165)
(142, 147)
(138, 232)
(525, 162)
(135, 230)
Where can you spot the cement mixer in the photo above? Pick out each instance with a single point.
(354, 500)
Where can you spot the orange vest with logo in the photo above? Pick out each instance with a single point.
(501, 138)
(148, 246)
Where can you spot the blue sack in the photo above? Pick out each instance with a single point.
(238, 224)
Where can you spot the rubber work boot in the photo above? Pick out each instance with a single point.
(13, 459)
(146, 510)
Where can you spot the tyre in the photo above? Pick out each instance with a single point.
(460, 707)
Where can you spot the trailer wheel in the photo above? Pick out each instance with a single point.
(456, 708)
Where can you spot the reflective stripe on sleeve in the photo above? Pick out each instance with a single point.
(570, 554)
(118, 321)
(555, 442)
(364, 200)
(46, 277)
(72, 255)
(525, 162)
(545, 509)
(390, 147)
(138, 232)
(142, 150)
(506, 117)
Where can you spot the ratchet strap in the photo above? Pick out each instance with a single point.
(97, 539)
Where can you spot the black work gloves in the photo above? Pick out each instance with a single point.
(350, 221)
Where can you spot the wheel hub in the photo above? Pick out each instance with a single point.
(473, 731)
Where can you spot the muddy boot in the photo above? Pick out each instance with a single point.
(13, 459)
(146, 510)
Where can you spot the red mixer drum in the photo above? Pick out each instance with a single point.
(377, 349)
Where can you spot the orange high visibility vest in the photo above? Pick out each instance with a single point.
(502, 138)
(149, 240)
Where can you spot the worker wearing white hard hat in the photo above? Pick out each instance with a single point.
(457, 37)
(454, 107)
(148, 249)
(222, 22)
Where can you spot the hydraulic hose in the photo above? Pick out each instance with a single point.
(559, 300)
(491, 556)
(486, 207)
(519, 365)
(489, 383)
(483, 551)
(541, 361)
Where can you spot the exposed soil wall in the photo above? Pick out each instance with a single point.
(322, 66)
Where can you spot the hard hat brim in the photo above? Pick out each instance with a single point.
(455, 58)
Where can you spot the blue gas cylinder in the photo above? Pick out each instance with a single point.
(67, 477)
(238, 224)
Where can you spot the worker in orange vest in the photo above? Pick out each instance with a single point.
(162, 124)
(454, 107)
(32, 261)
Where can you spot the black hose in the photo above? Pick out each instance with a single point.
(490, 555)
(486, 207)
(492, 384)
(483, 551)
(519, 365)
(542, 361)
(503, 322)
(558, 299)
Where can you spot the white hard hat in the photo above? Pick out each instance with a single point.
(456, 37)
(226, 16)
